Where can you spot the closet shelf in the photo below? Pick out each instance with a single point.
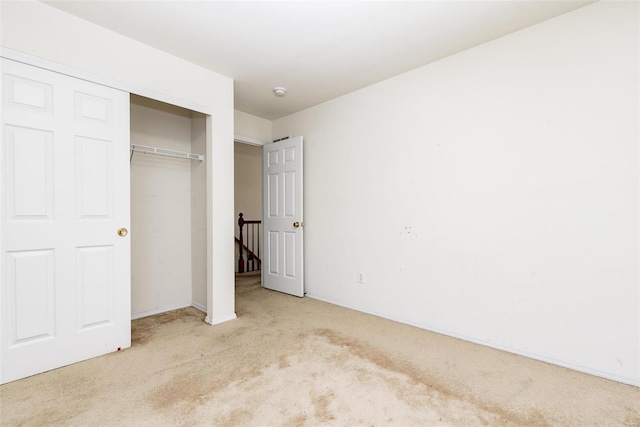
(165, 152)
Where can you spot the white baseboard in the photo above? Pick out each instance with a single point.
(199, 307)
(142, 314)
(178, 307)
(221, 319)
(552, 360)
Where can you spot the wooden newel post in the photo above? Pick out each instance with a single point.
(241, 257)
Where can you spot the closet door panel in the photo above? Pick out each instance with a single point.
(94, 178)
(31, 285)
(29, 174)
(65, 270)
(95, 287)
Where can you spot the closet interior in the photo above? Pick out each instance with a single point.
(168, 208)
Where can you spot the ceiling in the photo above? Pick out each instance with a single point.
(318, 50)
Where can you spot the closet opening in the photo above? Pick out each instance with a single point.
(168, 208)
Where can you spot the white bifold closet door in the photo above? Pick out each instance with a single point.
(65, 253)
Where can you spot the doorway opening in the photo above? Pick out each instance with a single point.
(248, 211)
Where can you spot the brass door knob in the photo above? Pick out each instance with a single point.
(122, 232)
(296, 224)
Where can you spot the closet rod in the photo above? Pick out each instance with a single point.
(164, 152)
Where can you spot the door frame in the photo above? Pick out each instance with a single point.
(249, 140)
(18, 56)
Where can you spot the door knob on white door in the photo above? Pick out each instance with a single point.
(296, 224)
(122, 232)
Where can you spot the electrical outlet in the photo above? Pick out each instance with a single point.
(360, 277)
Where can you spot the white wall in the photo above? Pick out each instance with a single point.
(36, 29)
(492, 195)
(251, 126)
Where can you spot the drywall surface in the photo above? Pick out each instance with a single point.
(492, 195)
(160, 209)
(39, 30)
(252, 126)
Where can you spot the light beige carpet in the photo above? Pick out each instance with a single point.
(290, 361)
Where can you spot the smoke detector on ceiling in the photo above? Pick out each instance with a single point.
(279, 91)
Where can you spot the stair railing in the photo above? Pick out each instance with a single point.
(248, 243)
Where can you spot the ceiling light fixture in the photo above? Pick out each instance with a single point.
(279, 91)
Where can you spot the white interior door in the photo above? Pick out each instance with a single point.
(282, 267)
(65, 269)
